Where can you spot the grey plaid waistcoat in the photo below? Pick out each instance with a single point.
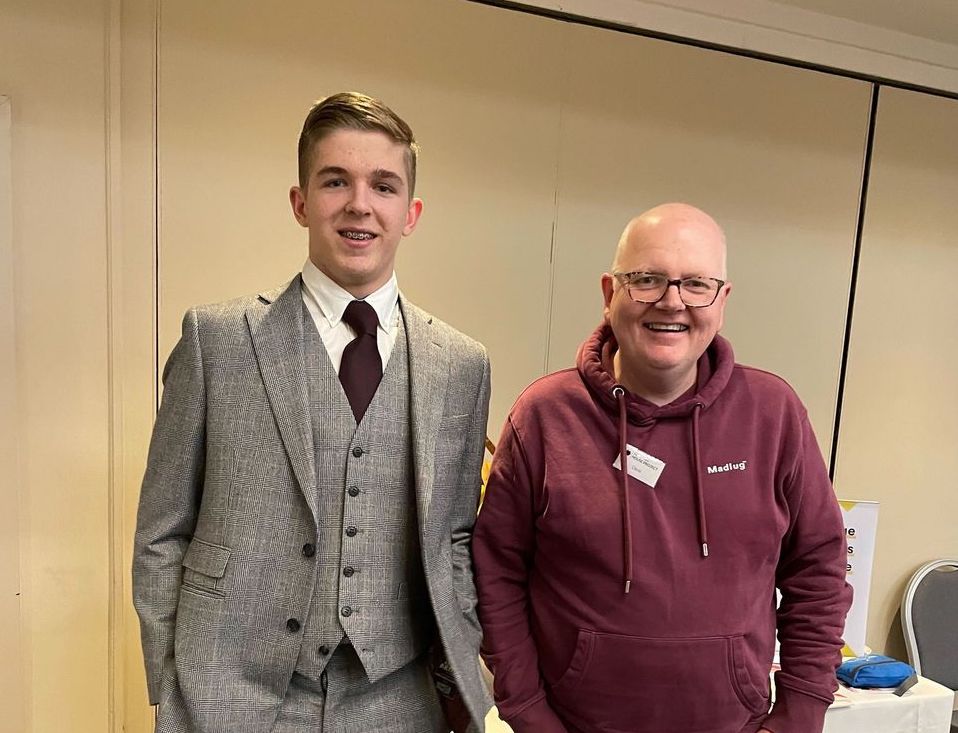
(369, 578)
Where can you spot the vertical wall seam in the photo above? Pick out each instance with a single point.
(113, 190)
(853, 284)
(157, 16)
(10, 400)
(553, 244)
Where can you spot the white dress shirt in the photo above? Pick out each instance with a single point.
(326, 301)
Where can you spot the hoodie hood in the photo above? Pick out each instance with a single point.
(594, 364)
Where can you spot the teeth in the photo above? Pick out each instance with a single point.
(357, 235)
(666, 326)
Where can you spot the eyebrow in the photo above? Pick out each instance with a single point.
(666, 275)
(385, 173)
(331, 170)
(379, 173)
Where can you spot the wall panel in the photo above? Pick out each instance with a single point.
(773, 153)
(134, 340)
(899, 422)
(11, 651)
(52, 67)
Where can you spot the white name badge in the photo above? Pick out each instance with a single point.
(641, 465)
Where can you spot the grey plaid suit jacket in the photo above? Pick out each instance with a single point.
(215, 581)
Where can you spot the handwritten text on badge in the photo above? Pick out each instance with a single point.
(641, 465)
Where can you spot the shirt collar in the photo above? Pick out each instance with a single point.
(332, 298)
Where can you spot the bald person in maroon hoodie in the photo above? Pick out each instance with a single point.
(643, 601)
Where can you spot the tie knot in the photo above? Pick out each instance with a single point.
(361, 317)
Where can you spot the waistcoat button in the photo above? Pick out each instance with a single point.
(354, 491)
(346, 611)
(357, 451)
(348, 571)
(324, 650)
(351, 531)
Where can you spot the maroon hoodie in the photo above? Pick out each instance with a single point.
(611, 608)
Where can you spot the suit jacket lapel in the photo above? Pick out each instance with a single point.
(276, 328)
(428, 375)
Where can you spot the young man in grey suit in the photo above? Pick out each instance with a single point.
(302, 545)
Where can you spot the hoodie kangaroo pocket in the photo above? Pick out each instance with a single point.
(631, 684)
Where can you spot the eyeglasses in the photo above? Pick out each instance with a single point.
(650, 287)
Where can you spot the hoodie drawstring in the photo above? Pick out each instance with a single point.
(619, 393)
(697, 473)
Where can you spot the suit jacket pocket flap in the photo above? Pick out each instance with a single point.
(206, 558)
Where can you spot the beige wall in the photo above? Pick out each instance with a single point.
(899, 419)
(530, 170)
(488, 123)
(774, 153)
(134, 304)
(12, 671)
(540, 139)
(52, 66)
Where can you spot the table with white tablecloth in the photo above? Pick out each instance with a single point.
(925, 708)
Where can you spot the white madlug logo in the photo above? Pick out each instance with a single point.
(738, 466)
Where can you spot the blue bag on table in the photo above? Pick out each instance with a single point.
(874, 670)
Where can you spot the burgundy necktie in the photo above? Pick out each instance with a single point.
(361, 369)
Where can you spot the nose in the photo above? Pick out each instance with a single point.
(358, 202)
(671, 299)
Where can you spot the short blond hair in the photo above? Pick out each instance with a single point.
(354, 111)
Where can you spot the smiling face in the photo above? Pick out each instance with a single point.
(357, 206)
(660, 343)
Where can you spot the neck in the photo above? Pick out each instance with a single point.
(658, 387)
(359, 289)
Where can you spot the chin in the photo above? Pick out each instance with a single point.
(668, 360)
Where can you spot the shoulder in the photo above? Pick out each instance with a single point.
(766, 396)
(230, 314)
(764, 383)
(552, 395)
(564, 382)
(460, 344)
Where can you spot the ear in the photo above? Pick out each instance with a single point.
(608, 291)
(412, 216)
(297, 200)
(720, 303)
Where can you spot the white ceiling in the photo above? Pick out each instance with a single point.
(936, 20)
